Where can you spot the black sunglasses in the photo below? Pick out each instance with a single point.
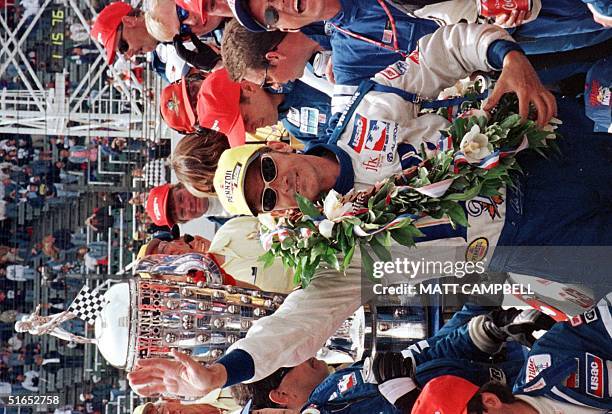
(271, 18)
(122, 46)
(268, 174)
(183, 15)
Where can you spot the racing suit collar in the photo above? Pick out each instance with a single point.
(346, 179)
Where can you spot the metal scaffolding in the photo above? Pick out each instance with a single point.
(71, 102)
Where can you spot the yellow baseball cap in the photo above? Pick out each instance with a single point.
(141, 409)
(230, 175)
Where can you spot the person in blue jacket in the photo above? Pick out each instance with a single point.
(454, 350)
(366, 36)
(567, 372)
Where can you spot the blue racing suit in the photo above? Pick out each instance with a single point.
(305, 111)
(572, 362)
(345, 392)
(452, 352)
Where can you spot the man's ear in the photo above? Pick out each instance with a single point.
(248, 87)
(490, 400)
(278, 397)
(274, 57)
(130, 21)
(280, 146)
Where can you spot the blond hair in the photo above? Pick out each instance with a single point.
(195, 159)
(161, 20)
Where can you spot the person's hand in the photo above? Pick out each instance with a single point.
(182, 375)
(605, 21)
(512, 19)
(518, 76)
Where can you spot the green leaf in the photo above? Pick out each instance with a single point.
(330, 257)
(467, 195)
(403, 236)
(307, 207)
(382, 252)
(455, 212)
(267, 258)
(511, 121)
(348, 257)
(384, 238)
(459, 125)
(367, 263)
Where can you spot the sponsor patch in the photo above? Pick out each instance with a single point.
(497, 374)
(414, 56)
(173, 104)
(594, 375)
(230, 182)
(347, 382)
(360, 129)
(391, 73)
(573, 381)
(590, 316)
(576, 320)
(537, 386)
(477, 250)
(156, 209)
(600, 95)
(309, 120)
(535, 365)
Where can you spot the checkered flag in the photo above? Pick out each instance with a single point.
(87, 305)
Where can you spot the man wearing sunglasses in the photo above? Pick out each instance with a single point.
(121, 28)
(166, 19)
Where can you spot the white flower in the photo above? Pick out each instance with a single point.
(476, 113)
(551, 127)
(326, 227)
(333, 211)
(475, 145)
(305, 232)
(458, 89)
(267, 221)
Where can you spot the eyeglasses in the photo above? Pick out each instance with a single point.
(271, 18)
(182, 14)
(265, 83)
(268, 174)
(122, 46)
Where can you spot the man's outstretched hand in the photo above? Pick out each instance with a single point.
(518, 76)
(182, 375)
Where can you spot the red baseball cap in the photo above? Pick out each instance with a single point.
(157, 204)
(194, 6)
(445, 395)
(219, 106)
(105, 27)
(176, 107)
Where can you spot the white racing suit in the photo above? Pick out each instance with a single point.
(308, 317)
